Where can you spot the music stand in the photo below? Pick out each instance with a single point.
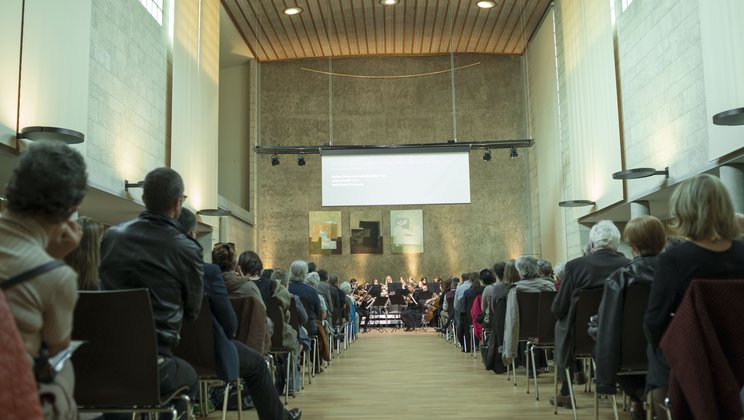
(434, 288)
(377, 308)
(397, 301)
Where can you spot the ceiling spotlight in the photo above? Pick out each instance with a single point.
(275, 160)
(294, 10)
(301, 159)
(486, 4)
(513, 153)
(389, 2)
(487, 155)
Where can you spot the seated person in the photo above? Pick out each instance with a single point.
(411, 316)
(646, 237)
(46, 187)
(308, 295)
(234, 357)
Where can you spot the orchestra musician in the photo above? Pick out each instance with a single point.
(411, 317)
(363, 300)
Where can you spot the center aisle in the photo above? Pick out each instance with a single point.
(420, 376)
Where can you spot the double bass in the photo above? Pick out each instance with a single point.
(431, 309)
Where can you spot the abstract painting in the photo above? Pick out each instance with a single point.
(366, 232)
(324, 233)
(406, 231)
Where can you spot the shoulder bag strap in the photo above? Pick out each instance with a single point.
(34, 272)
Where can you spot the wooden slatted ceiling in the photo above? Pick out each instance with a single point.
(342, 28)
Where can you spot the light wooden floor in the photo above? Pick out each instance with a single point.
(421, 376)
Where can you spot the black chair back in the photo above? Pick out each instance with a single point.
(586, 307)
(633, 346)
(545, 319)
(294, 318)
(197, 342)
(528, 314)
(276, 315)
(118, 364)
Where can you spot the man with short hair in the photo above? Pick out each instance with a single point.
(247, 362)
(153, 252)
(587, 272)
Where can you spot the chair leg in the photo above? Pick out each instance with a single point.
(224, 400)
(555, 387)
(240, 399)
(614, 407)
(287, 381)
(534, 371)
(571, 393)
(527, 367)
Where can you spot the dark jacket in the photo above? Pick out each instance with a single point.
(493, 361)
(609, 340)
(152, 252)
(581, 273)
(309, 295)
(224, 321)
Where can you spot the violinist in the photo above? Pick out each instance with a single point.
(363, 301)
(411, 317)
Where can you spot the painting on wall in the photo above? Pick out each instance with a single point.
(366, 232)
(406, 231)
(324, 233)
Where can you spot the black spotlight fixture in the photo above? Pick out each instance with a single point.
(301, 159)
(128, 185)
(513, 153)
(275, 160)
(487, 155)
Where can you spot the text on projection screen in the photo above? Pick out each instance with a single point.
(395, 179)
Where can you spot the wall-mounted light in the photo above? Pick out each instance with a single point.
(293, 10)
(214, 212)
(486, 4)
(275, 160)
(576, 203)
(128, 185)
(513, 153)
(301, 159)
(41, 133)
(389, 2)
(731, 117)
(636, 173)
(487, 155)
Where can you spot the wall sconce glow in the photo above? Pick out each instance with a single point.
(294, 10)
(389, 2)
(41, 133)
(486, 4)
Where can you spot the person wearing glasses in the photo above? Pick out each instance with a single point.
(153, 252)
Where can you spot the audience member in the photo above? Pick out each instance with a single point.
(587, 272)
(529, 282)
(308, 295)
(558, 273)
(493, 359)
(87, 257)
(45, 189)
(235, 358)
(703, 213)
(152, 252)
(545, 270)
(324, 290)
(224, 255)
(646, 237)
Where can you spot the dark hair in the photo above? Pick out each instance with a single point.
(87, 257)
(323, 275)
(311, 267)
(646, 234)
(162, 188)
(224, 256)
(187, 220)
(48, 181)
(250, 263)
(487, 276)
(498, 269)
(266, 274)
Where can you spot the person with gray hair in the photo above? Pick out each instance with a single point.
(559, 272)
(545, 269)
(587, 272)
(36, 232)
(529, 282)
(308, 295)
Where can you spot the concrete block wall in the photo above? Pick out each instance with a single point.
(127, 105)
(660, 63)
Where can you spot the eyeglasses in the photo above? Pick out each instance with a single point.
(184, 197)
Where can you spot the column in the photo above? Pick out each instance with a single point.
(639, 208)
(732, 177)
